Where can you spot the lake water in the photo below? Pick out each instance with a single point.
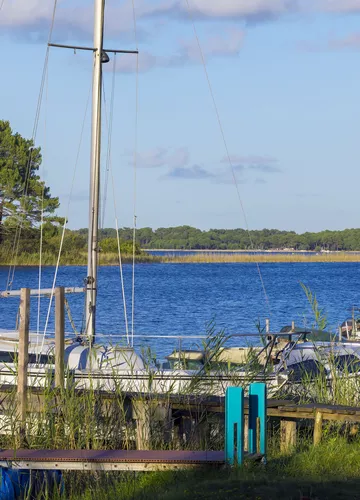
(180, 299)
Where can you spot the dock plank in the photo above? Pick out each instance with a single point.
(139, 460)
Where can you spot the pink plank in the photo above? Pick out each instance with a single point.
(148, 456)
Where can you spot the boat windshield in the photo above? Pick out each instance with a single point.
(347, 363)
(11, 357)
(305, 370)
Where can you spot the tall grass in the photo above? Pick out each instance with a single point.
(209, 258)
(73, 258)
(73, 418)
(328, 471)
(79, 258)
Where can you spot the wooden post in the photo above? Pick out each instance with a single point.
(287, 435)
(23, 359)
(246, 432)
(141, 413)
(318, 427)
(267, 325)
(293, 326)
(340, 334)
(354, 332)
(59, 336)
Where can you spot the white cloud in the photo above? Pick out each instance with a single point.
(34, 16)
(256, 10)
(249, 160)
(151, 159)
(266, 169)
(163, 157)
(246, 165)
(176, 163)
(337, 5)
(228, 45)
(194, 172)
(260, 180)
(348, 42)
(230, 8)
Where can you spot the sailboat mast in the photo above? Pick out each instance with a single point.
(94, 199)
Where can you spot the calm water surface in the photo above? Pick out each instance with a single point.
(180, 299)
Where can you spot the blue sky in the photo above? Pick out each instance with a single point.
(285, 75)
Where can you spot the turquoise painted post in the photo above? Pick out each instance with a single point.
(257, 410)
(234, 416)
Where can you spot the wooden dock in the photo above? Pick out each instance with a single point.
(110, 460)
(177, 410)
(148, 460)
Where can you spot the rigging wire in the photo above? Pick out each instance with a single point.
(135, 216)
(227, 151)
(110, 170)
(52, 290)
(109, 127)
(16, 246)
(66, 218)
(42, 214)
(95, 217)
(135, 174)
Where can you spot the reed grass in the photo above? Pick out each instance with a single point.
(112, 259)
(73, 259)
(218, 258)
(73, 418)
(328, 471)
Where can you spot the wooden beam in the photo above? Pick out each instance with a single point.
(23, 359)
(59, 336)
(105, 466)
(42, 292)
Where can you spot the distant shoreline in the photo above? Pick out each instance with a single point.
(200, 257)
(204, 250)
(265, 258)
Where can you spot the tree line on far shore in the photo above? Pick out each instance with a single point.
(190, 238)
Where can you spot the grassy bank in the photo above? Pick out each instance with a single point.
(329, 471)
(112, 259)
(71, 419)
(73, 259)
(215, 257)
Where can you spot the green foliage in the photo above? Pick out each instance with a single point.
(319, 315)
(110, 245)
(23, 195)
(328, 471)
(189, 238)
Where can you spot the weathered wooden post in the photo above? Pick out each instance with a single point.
(142, 414)
(23, 359)
(287, 435)
(59, 336)
(293, 326)
(246, 432)
(318, 427)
